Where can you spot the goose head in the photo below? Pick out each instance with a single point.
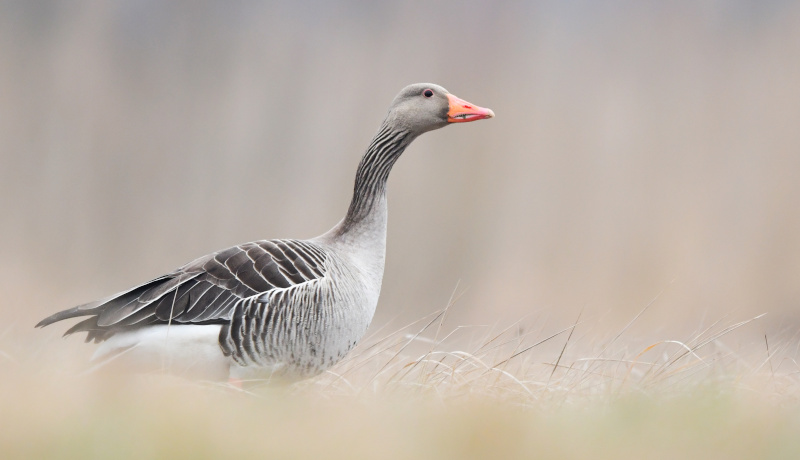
(423, 107)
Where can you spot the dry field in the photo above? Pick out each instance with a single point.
(428, 390)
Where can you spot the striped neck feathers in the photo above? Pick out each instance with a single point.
(373, 171)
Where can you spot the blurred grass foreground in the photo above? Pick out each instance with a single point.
(639, 148)
(549, 392)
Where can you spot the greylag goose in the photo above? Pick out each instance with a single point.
(274, 308)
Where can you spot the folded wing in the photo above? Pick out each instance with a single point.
(205, 291)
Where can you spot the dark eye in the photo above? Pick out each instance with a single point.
(427, 93)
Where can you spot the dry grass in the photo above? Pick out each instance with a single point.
(427, 390)
(549, 370)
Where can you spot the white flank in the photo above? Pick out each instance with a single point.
(188, 350)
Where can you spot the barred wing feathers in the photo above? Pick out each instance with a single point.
(205, 291)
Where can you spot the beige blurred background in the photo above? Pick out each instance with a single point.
(639, 148)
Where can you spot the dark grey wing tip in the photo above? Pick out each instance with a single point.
(95, 308)
(62, 315)
(87, 325)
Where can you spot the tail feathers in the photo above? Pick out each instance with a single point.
(88, 325)
(81, 310)
(96, 308)
(62, 315)
(93, 331)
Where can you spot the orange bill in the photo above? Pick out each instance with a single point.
(462, 111)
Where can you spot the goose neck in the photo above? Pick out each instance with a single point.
(368, 205)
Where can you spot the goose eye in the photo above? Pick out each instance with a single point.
(427, 93)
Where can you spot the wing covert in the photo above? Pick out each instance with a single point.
(204, 291)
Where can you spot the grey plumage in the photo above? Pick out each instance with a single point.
(282, 306)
